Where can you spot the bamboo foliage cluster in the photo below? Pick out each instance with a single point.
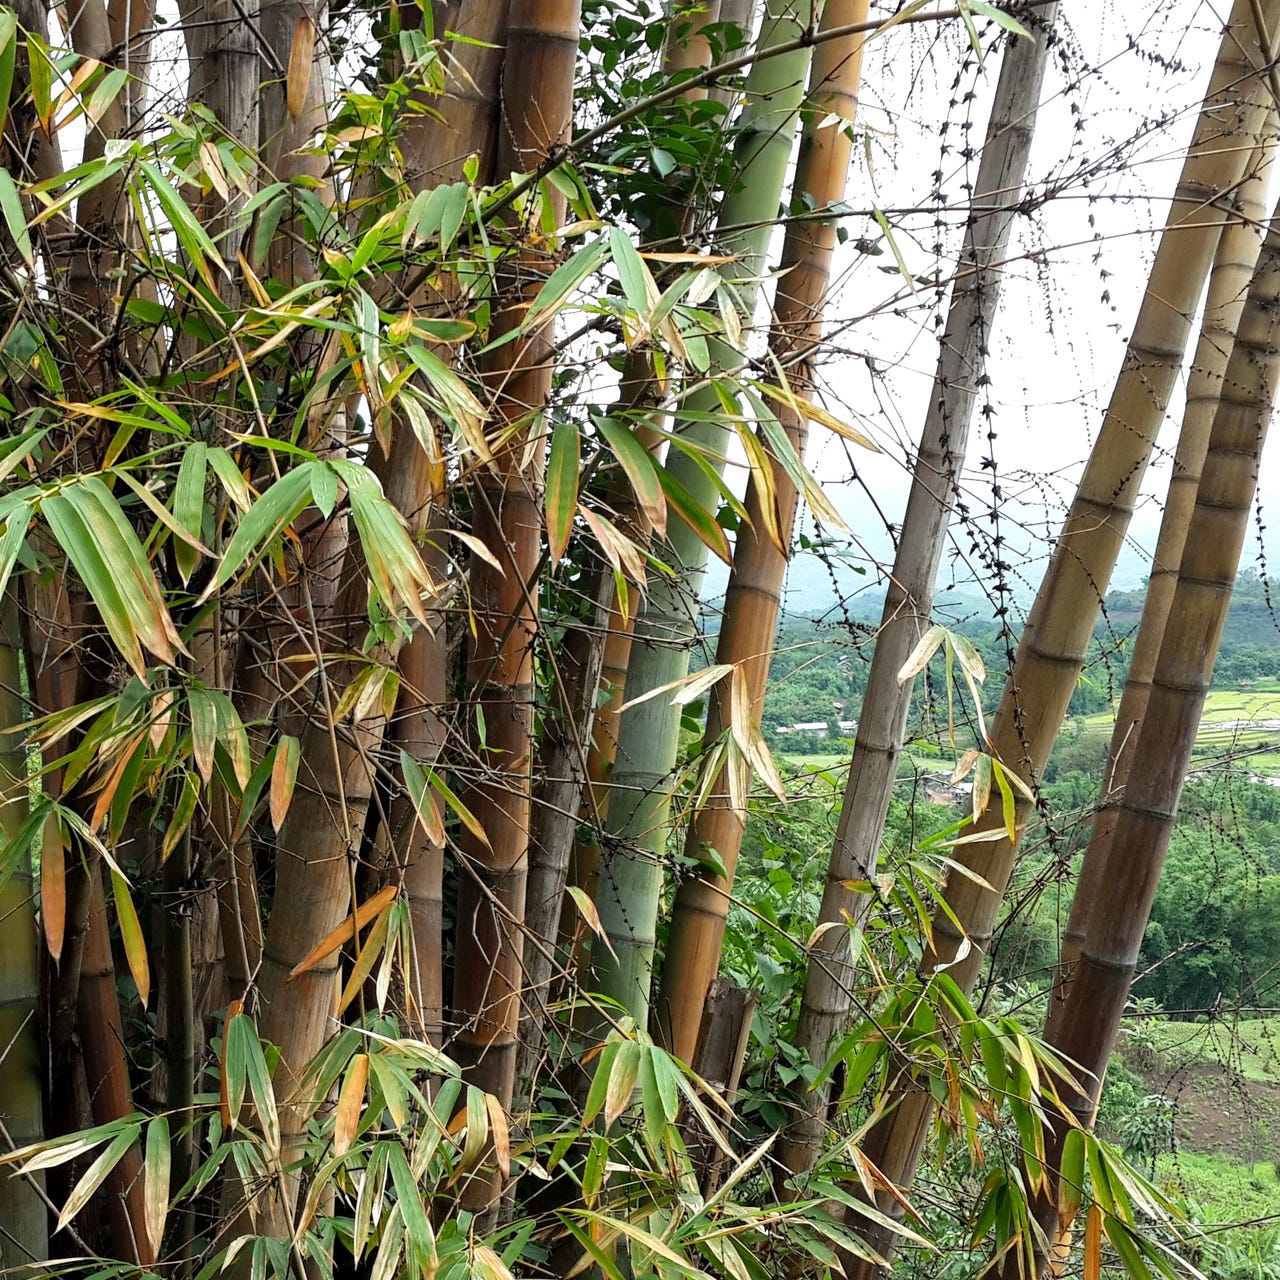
(340, 606)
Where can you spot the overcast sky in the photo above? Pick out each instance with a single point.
(1064, 317)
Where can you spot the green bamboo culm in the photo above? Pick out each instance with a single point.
(25, 1238)
(666, 621)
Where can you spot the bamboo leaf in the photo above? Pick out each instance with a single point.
(14, 218)
(562, 282)
(689, 688)
(697, 517)
(346, 931)
(622, 1081)
(641, 471)
(923, 651)
(419, 793)
(261, 524)
(53, 885)
(284, 776)
(97, 1173)
(8, 60)
(155, 1181)
(1000, 18)
(297, 78)
(365, 961)
(135, 947)
(587, 910)
(183, 811)
(500, 1133)
(562, 487)
(350, 1104)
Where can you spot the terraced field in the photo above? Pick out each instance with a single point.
(1239, 726)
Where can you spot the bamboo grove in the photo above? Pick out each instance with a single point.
(373, 404)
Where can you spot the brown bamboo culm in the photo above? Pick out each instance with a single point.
(542, 37)
(1054, 642)
(882, 717)
(1086, 1027)
(1233, 268)
(759, 565)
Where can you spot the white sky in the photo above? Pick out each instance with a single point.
(1058, 341)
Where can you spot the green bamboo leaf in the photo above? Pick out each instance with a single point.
(642, 472)
(191, 235)
(421, 1239)
(87, 522)
(182, 814)
(638, 286)
(1000, 18)
(96, 1174)
(562, 282)
(232, 478)
(188, 506)
(15, 219)
(135, 946)
(12, 542)
(155, 1181)
(259, 1081)
(696, 516)
(279, 506)
(8, 59)
(562, 487)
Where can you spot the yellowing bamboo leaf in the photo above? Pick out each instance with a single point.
(919, 656)
(1093, 1244)
(623, 1074)
(816, 413)
(96, 1174)
(53, 885)
(500, 1132)
(587, 909)
(155, 1181)
(284, 775)
(562, 487)
(350, 1104)
(346, 931)
(689, 688)
(135, 947)
(298, 76)
(487, 1265)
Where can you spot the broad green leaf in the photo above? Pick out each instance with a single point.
(14, 218)
(562, 282)
(622, 1081)
(188, 505)
(562, 487)
(278, 507)
(697, 517)
(641, 470)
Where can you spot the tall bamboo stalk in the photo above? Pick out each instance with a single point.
(1233, 267)
(882, 720)
(666, 624)
(102, 1044)
(25, 1239)
(538, 75)
(1054, 642)
(754, 592)
(1086, 1027)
